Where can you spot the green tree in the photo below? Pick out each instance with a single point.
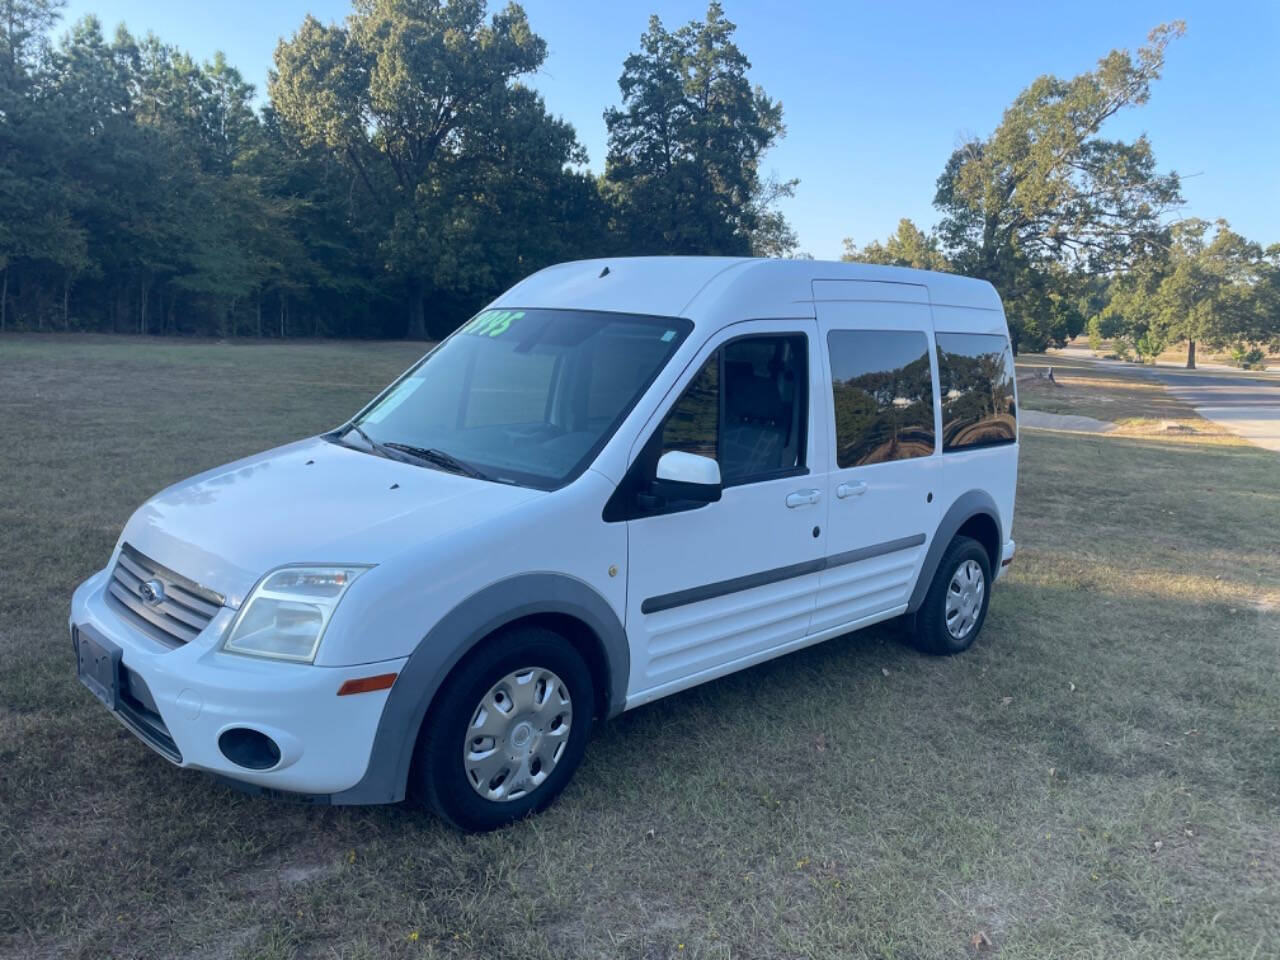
(685, 147)
(907, 247)
(39, 237)
(1211, 287)
(1267, 302)
(1047, 198)
(24, 35)
(319, 260)
(771, 234)
(414, 98)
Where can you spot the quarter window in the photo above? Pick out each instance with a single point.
(882, 389)
(975, 371)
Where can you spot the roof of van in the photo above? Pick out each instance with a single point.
(708, 288)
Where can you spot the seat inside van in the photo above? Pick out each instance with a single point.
(762, 407)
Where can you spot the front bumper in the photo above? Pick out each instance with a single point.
(181, 700)
(1006, 557)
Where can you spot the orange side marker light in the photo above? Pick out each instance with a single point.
(367, 684)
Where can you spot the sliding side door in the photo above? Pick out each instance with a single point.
(877, 345)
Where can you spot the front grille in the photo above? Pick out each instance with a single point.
(179, 611)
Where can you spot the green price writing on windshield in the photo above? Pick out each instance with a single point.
(492, 323)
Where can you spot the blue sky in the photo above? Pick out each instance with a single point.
(876, 95)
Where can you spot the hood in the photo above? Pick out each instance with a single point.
(308, 502)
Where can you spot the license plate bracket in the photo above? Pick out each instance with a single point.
(98, 664)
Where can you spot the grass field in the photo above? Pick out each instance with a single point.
(1098, 777)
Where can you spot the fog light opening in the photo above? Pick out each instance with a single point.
(250, 749)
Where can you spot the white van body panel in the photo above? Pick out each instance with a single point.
(880, 503)
(392, 607)
(438, 543)
(993, 469)
(228, 526)
(669, 553)
(656, 286)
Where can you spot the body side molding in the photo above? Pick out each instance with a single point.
(456, 634)
(720, 588)
(967, 505)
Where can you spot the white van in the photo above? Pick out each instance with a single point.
(621, 479)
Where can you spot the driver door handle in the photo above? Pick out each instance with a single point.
(802, 498)
(855, 489)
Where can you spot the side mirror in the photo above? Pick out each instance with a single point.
(687, 476)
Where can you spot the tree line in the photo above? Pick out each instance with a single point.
(1079, 232)
(400, 171)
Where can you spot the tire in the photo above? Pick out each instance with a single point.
(946, 625)
(481, 768)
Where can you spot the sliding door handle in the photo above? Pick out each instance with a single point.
(803, 498)
(855, 489)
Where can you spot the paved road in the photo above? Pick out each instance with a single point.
(1247, 405)
(1063, 421)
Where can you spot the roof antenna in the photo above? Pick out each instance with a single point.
(604, 273)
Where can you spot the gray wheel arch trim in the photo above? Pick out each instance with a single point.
(967, 505)
(455, 635)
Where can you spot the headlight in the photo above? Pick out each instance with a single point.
(285, 615)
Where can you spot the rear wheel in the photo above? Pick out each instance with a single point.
(956, 605)
(508, 731)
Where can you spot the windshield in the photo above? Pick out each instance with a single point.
(526, 396)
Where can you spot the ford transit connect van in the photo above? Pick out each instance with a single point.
(621, 479)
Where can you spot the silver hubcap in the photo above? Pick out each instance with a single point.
(964, 599)
(517, 734)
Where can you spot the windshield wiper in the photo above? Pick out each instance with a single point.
(440, 459)
(383, 449)
(407, 453)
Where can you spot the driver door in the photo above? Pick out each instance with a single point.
(714, 587)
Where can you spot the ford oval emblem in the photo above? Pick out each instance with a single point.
(151, 591)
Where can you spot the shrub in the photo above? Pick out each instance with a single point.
(1252, 358)
(1095, 333)
(1147, 345)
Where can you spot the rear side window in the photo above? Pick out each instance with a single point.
(976, 375)
(882, 389)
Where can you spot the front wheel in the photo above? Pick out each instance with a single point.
(956, 605)
(508, 732)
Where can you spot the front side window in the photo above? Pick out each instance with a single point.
(976, 375)
(526, 396)
(882, 389)
(746, 408)
(693, 425)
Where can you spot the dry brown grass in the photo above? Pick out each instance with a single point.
(1098, 777)
(1139, 407)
